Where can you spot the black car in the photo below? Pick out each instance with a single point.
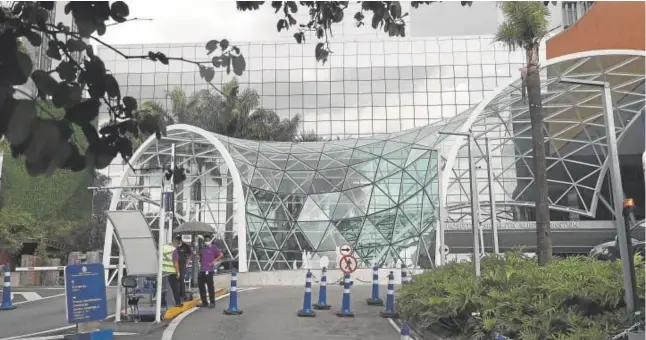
(610, 250)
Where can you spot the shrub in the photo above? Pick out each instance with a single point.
(573, 298)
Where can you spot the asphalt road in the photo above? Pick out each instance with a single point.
(270, 314)
(41, 315)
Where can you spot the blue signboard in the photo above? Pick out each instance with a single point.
(85, 293)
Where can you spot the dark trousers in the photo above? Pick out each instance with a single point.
(174, 285)
(206, 279)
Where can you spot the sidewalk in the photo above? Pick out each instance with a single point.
(270, 314)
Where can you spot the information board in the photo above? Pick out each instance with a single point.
(85, 293)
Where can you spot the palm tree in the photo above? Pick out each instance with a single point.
(245, 121)
(525, 26)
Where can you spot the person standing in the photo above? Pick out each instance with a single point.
(209, 256)
(170, 272)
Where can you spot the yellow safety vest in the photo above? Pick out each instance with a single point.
(167, 264)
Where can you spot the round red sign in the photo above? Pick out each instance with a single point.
(348, 264)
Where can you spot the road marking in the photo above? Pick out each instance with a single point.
(42, 298)
(24, 336)
(29, 296)
(62, 336)
(170, 329)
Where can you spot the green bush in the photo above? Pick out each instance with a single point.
(573, 298)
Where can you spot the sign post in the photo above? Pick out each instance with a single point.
(85, 295)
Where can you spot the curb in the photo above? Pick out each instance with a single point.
(416, 334)
(173, 312)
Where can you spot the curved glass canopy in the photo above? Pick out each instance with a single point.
(273, 203)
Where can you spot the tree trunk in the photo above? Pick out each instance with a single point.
(543, 232)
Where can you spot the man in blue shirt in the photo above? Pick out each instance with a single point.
(209, 256)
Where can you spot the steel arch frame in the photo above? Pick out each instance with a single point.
(239, 219)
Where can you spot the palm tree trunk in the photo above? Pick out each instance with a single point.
(543, 232)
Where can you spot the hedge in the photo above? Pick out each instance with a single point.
(572, 298)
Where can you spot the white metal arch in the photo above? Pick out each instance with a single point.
(459, 141)
(239, 219)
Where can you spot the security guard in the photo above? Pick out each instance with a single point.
(171, 271)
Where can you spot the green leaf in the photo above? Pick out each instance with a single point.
(130, 103)
(34, 38)
(224, 43)
(162, 58)
(75, 45)
(396, 10)
(119, 11)
(66, 70)
(66, 95)
(292, 6)
(52, 51)
(211, 46)
(112, 87)
(207, 73)
(45, 83)
(25, 67)
(239, 64)
(83, 112)
(216, 61)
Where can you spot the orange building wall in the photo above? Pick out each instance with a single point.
(606, 25)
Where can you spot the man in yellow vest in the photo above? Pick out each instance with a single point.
(171, 270)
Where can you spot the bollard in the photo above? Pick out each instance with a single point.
(345, 302)
(375, 300)
(307, 298)
(322, 304)
(6, 292)
(404, 275)
(405, 332)
(233, 295)
(389, 311)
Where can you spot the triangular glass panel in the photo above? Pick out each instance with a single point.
(391, 146)
(312, 212)
(253, 224)
(360, 197)
(370, 237)
(277, 211)
(344, 156)
(302, 178)
(379, 201)
(266, 238)
(321, 185)
(346, 209)
(367, 169)
(294, 164)
(272, 177)
(309, 159)
(384, 222)
(263, 199)
(246, 172)
(409, 186)
(350, 228)
(313, 232)
(391, 186)
(259, 181)
(418, 169)
(331, 240)
(415, 154)
(264, 162)
(293, 204)
(354, 179)
(386, 169)
(403, 228)
(374, 148)
(359, 156)
(279, 159)
(289, 186)
(398, 157)
(327, 162)
(252, 206)
(336, 177)
(327, 202)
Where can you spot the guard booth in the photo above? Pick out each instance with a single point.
(138, 257)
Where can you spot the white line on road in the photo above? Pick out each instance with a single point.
(24, 336)
(42, 298)
(62, 336)
(170, 329)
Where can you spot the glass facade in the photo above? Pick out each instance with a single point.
(379, 195)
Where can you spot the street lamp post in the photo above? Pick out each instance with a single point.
(492, 199)
(617, 188)
(475, 206)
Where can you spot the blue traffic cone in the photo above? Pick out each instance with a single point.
(233, 295)
(345, 302)
(6, 292)
(405, 332)
(389, 311)
(404, 274)
(322, 304)
(375, 300)
(307, 298)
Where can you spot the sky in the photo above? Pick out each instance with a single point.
(193, 21)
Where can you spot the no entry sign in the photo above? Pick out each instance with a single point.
(348, 264)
